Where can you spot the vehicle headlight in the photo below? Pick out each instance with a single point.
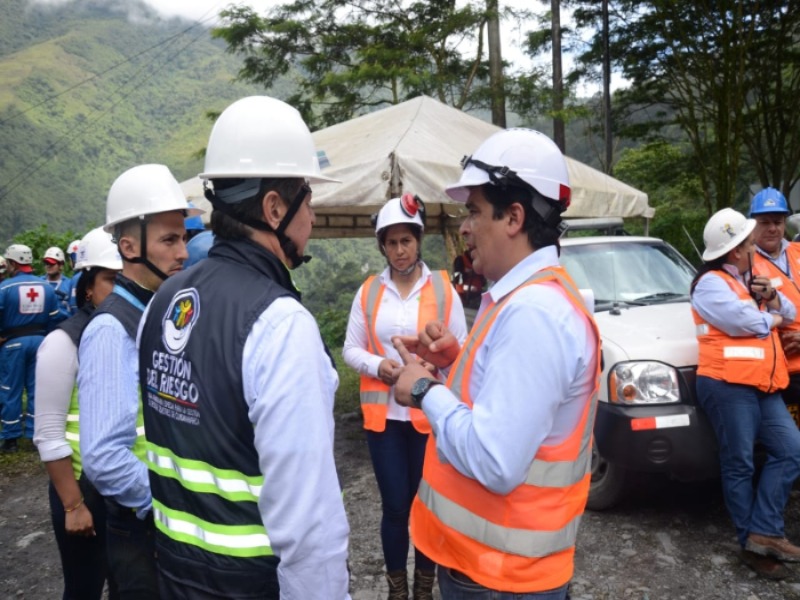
(643, 382)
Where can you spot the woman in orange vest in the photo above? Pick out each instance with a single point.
(741, 372)
(399, 301)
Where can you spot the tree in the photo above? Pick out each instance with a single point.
(725, 73)
(665, 172)
(354, 55)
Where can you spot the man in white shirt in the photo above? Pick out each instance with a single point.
(238, 386)
(506, 474)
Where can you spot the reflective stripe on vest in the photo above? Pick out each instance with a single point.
(199, 476)
(788, 286)
(73, 433)
(435, 303)
(753, 361)
(522, 541)
(244, 541)
(140, 445)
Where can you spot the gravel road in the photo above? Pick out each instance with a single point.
(666, 542)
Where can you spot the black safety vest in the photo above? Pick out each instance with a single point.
(204, 471)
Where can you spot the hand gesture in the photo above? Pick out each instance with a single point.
(434, 344)
(388, 371)
(409, 373)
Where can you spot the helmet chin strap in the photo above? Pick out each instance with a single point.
(404, 272)
(143, 258)
(287, 245)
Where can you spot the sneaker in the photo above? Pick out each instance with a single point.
(10, 445)
(765, 566)
(777, 547)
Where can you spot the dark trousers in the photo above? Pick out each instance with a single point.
(130, 544)
(83, 559)
(397, 455)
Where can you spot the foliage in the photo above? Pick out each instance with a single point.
(42, 238)
(664, 172)
(352, 57)
(347, 399)
(726, 72)
(86, 93)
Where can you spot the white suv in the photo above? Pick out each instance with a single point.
(647, 417)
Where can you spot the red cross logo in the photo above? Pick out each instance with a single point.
(32, 294)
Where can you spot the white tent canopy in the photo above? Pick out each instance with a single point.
(417, 147)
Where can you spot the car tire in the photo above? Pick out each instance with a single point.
(609, 482)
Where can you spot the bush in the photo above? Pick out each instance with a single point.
(347, 398)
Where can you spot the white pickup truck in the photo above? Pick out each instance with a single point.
(647, 418)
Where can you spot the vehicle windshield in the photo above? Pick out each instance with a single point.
(629, 273)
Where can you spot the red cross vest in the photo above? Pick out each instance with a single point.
(758, 362)
(523, 541)
(788, 286)
(435, 303)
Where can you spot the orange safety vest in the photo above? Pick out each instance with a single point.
(758, 362)
(523, 541)
(788, 286)
(435, 303)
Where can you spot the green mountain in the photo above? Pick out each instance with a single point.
(89, 89)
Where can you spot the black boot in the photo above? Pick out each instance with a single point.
(398, 585)
(423, 584)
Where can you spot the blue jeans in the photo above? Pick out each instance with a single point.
(742, 415)
(83, 559)
(397, 455)
(18, 373)
(130, 544)
(455, 587)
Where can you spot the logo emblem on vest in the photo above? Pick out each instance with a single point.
(180, 318)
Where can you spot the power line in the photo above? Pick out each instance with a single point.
(47, 154)
(111, 68)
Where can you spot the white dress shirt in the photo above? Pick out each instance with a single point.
(396, 316)
(529, 384)
(289, 385)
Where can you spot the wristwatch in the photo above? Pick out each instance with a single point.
(420, 388)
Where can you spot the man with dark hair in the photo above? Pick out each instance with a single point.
(238, 385)
(145, 210)
(507, 472)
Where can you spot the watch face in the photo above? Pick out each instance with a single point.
(420, 387)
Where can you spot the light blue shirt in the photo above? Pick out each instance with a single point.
(781, 262)
(108, 396)
(718, 304)
(530, 381)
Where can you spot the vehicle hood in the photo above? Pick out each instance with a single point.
(663, 332)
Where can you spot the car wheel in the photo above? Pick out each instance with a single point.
(609, 482)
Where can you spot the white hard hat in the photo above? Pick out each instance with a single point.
(406, 209)
(73, 247)
(54, 253)
(3, 266)
(259, 136)
(530, 156)
(144, 190)
(726, 229)
(97, 249)
(19, 253)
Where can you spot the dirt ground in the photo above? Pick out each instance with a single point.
(668, 542)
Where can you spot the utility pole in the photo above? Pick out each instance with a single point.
(496, 65)
(559, 135)
(609, 160)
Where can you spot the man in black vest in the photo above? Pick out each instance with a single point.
(145, 210)
(238, 386)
